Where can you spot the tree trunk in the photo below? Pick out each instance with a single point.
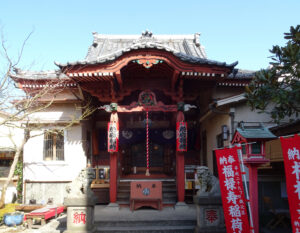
(19, 150)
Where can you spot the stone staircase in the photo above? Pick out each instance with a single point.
(168, 192)
(144, 226)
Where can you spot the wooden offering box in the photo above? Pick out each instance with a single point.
(145, 193)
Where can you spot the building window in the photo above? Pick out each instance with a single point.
(53, 146)
(256, 148)
(6, 159)
(244, 150)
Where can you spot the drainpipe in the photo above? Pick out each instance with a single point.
(232, 114)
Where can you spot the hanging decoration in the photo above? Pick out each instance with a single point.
(147, 143)
(147, 98)
(233, 198)
(181, 136)
(113, 137)
(291, 156)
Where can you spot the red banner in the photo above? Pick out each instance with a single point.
(181, 136)
(113, 137)
(290, 151)
(233, 198)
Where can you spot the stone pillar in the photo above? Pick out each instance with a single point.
(80, 202)
(210, 217)
(80, 215)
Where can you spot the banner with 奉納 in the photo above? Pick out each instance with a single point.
(181, 136)
(231, 184)
(113, 137)
(291, 157)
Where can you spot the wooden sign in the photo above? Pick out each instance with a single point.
(181, 136)
(113, 137)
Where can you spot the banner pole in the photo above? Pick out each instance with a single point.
(239, 150)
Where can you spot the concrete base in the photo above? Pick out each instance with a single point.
(81, 231)
(80, 214)
(113, 206)
(210, 217)
(209, 230)
(181, 206)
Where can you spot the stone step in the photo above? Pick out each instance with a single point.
(123, 199)
(146, 223)
(169, 201)
(148, 229)
(147, 226)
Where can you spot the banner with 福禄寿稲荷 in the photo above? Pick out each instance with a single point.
(291, 157)
(231, 184)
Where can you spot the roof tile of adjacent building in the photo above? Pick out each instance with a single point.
(38, 75)
(242, 74)
(255, 132)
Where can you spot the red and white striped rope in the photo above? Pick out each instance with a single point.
(147, 139)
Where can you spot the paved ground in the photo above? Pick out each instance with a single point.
(105, 213)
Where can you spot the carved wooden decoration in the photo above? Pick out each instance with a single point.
(147, 63)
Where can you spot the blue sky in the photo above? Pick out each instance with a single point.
(230, 30)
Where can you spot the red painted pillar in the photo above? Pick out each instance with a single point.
(253, 195)
(180, 176)
(113, 177)
(180, 165)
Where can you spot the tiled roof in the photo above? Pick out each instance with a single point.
(255, 132)
(242, 74)
(38, 75)
(106, 48)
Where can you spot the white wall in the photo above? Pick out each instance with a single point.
(57, 112)
(213, 127)
(5, 132)
(244, 113)
(36, 169)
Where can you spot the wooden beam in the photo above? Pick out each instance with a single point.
(174, 79)
(119, 79)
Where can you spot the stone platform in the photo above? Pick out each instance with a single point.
(168, 219)
(109, 219)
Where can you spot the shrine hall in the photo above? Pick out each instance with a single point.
(160, 107)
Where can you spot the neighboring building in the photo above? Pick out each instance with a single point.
(140, 73)
(10, 137)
